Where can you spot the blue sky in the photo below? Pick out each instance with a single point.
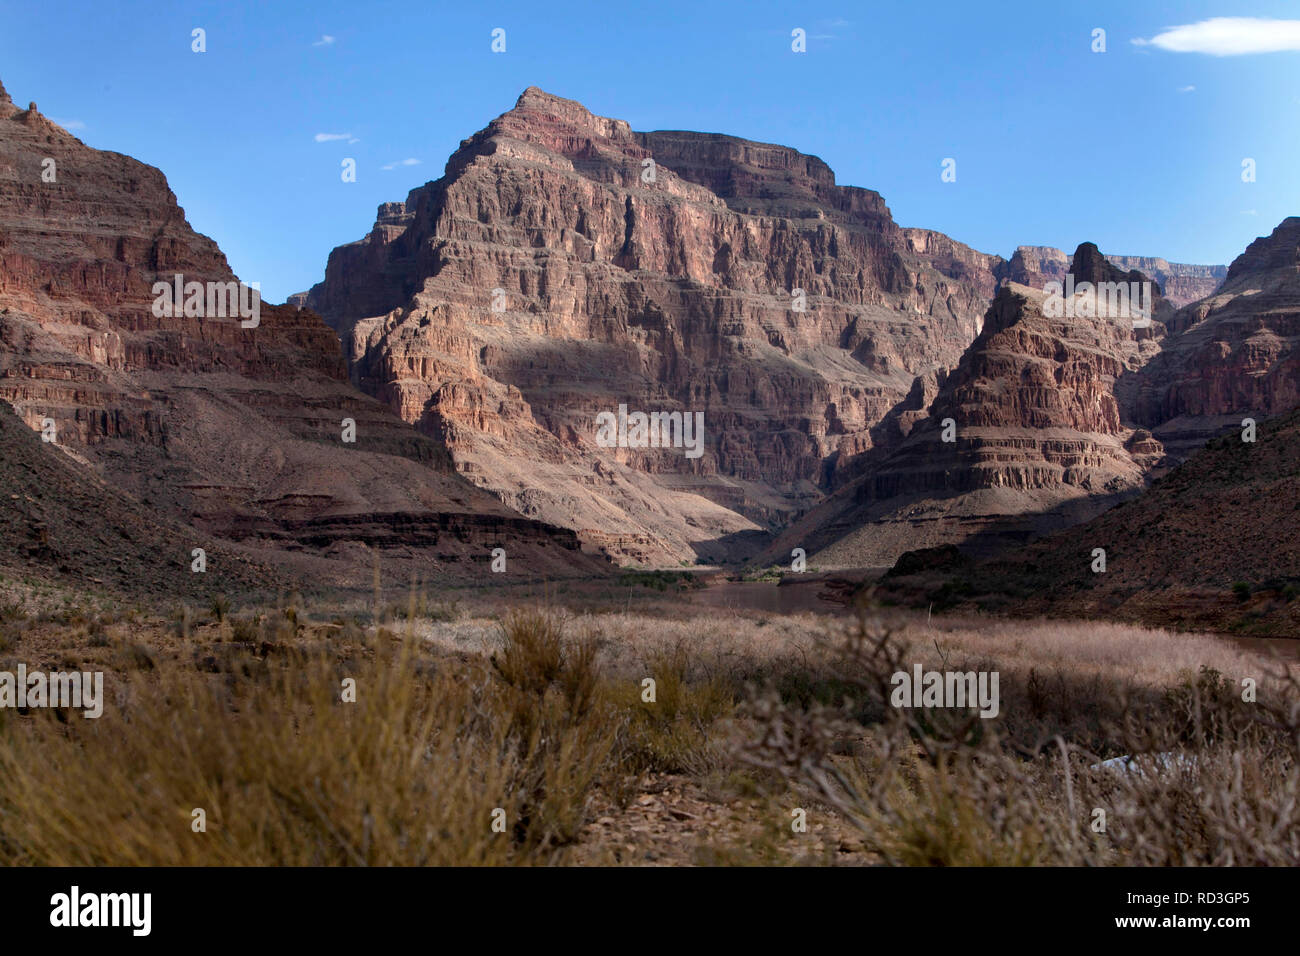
(1138, 149)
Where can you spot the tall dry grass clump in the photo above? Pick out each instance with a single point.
(1207, 777)
(289, 771)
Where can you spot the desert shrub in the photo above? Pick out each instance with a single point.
(534, 654)
(674, 733)
(563, 733)
(289, 773)
(246, 631)
(182, 622)
(418, 606)
(661, 580)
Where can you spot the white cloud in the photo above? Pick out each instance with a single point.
(335, 137)
(402, 162)
(325, 40)
(1228, 36)
(70, 124)
(1186, 89)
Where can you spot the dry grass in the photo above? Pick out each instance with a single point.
(544, 714)
(1215, 778)
(287, 772)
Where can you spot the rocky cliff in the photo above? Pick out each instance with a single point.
(1214, 545)
(1060, 416)
(234, 430)
(566, 264)
(1182, 283)
(1234, 355)
(1025, 435)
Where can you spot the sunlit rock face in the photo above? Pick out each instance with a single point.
(670, 271)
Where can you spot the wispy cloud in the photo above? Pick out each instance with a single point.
(70, 124)
(1228, 36)
(831, 28)
(1186, 89)
(325, 40)
(335, 137)
(402, 162)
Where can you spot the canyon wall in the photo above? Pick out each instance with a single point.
(669, 271)
(234, 431)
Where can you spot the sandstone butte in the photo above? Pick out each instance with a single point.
(675, 292)
(217, 431)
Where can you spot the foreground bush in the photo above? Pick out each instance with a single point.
(286, 771)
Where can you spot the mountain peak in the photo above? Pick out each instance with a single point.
(535, 100)
(535, 96)
(555, 123)
(1278, 251)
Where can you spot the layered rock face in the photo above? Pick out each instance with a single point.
(234, 430)
(1035, 267)
(1234, 355)
(1059, 416)
(566, 265)
(1182, 283)
(1025, 435)
(1176, 555)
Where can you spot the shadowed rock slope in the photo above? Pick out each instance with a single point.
(1214, 544)
(60, 521)
(1025, 435)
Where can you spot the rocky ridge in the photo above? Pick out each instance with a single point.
(1134, 402)
(656, 270)
(1180, 282)
(234, 431)
(565, 265)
